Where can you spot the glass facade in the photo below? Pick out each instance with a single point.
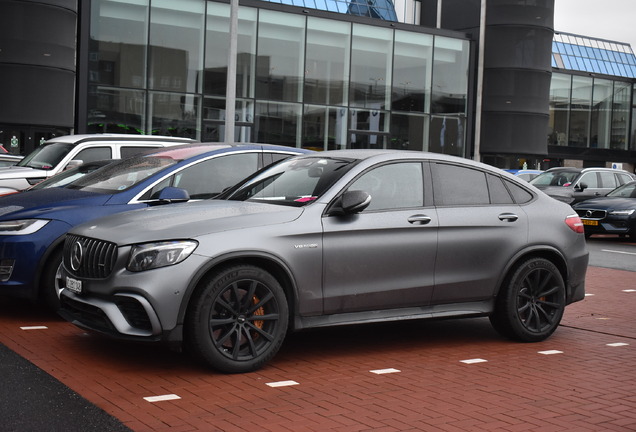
(590, 112)
(381, 9)
(160, 67)
(581, 53)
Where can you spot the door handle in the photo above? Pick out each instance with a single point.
(419, 219)
(509, 217)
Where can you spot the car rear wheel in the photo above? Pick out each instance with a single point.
(238, 320)
(531, 302)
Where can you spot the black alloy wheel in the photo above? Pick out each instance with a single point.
(238, 321)
(531, 303)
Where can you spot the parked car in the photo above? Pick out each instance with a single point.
(33, 223)
(525, 174)
(61, 153)
(338, 237)
(572, 185)
(9, 159)
(614, 213)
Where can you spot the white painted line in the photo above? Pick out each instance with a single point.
(618, 252)
(618, 344)
(162, 398)
(550, 352)
(629, 290)
(471, 361)
(34, 328)
(589, 295)
(282, 383)
(385, 371)
(603, 318)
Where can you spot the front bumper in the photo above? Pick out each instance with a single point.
(146, 305)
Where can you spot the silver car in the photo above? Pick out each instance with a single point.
(328, 239)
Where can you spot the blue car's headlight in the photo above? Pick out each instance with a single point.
(622, 212)
(21, 226)
(161, 254)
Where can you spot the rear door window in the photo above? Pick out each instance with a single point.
(92, 154)
(455, 185)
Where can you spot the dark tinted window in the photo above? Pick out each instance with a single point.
(498, 192)
(94, 154)
(520, 195)
(393, 186)
(458, 185)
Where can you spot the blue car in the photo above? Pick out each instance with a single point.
(33, 224)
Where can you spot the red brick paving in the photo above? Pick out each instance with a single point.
(588, 387)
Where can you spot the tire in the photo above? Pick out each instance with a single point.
(50, 282)
(237, 321)
(531, 302)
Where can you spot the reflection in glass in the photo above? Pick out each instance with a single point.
(447, 135)
(119, 35)
(173, 114)
(278, 123)
(214, 120)
(217, 42)
(116, 111)
(279, 65)
(559, 104)
(450, 76)
(327, 62)
(412, 68)
(601, 113)
(409, 132)
(324, 128)
(580, 111)
(371, 56)
(620, 115)
(176, 45)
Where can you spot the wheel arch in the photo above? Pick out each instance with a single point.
(270, 263)
(549, 253)
(55, 246)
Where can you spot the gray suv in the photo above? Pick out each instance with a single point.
(333, 238)
(572, 185)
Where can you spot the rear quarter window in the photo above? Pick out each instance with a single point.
(127, 151)
(519, 194)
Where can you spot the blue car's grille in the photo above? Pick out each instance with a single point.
(89, 258)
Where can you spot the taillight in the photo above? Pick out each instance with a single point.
(575, 224)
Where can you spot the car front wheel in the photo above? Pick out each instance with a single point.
(237, 320)
(531, 302)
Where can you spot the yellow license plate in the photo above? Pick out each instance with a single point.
(590, 222)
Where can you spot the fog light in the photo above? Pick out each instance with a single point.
(6, 268)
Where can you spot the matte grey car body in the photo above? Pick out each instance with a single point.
(335, 238)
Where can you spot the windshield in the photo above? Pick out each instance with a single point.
(46, 157)
(626, 191)
(121, 175)
(295, 182)
(555, 178)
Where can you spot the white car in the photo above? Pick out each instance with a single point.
(60, 153)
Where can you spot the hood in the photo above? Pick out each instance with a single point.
(607, 203)
(186, 220)
(18, 172)
(44, 203)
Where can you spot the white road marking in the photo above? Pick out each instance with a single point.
(282, 383)
(385, 371)
(34, 328)
(162, 398)
(618, 252)
(550, 352)
(472, 361)
(617, 344)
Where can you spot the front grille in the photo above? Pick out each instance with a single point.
(89, 258)
(87, 315)
(591, 213)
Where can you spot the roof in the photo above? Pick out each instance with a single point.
(586, 54)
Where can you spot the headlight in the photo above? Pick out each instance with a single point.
(161, 254)
(622, 212)
(22, 226)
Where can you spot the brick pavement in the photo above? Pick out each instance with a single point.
(574, 381)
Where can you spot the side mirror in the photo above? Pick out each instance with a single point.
(171, 194)
(73, 163)
(581, 187)
(350, 202)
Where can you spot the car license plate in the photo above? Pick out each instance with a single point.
(590, 222)
(74, 285)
